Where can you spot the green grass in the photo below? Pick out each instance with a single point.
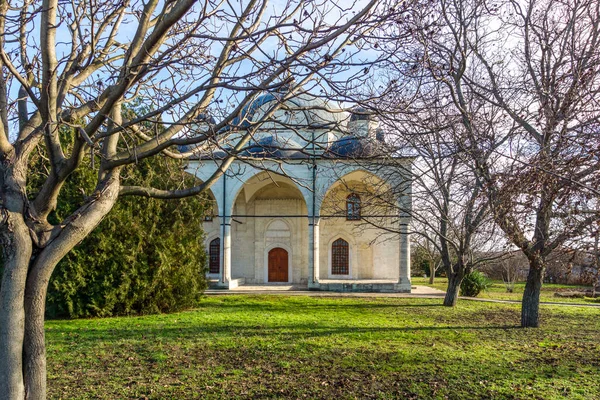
(328, 348)
(497, 291)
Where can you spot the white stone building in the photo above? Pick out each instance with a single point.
(296, 207)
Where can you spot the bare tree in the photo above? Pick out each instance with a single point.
(510, 272)
(541, 68)
(70, 66)
(584, 260)
(449, 200)
(414, 104)
(595, 264)
(425, 252)
(523, 78)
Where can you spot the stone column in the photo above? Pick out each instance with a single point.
(313, 253)
(404, 284)
(227, 251)
(225, 270)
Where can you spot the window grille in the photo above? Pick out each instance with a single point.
(214, 256)
(339, 257)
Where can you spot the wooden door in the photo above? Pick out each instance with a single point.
(278, 265)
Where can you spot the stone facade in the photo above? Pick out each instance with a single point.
(297, 201)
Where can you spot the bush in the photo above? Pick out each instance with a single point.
(473, 283)
(146, 256)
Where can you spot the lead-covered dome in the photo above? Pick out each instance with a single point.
(272, 147)
(356, 147)
(361, 114)
(302, 110)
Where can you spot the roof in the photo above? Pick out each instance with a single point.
(317, 112)
(266, 147)
(356, 147)
(272, 147)
(361, 114)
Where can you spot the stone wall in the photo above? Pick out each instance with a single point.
(373, 254)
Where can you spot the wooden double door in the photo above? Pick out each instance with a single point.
(278, 265)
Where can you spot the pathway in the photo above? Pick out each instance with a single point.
(423, 292)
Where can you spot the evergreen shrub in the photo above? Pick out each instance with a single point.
(473, 283)
(146, 256)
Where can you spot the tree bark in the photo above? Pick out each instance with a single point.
(34, 347)
(531, 295)
(17, 247)
(454, 280)
(431, 273)
(25, 278)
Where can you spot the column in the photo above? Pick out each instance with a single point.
(313, 253)
(405, 203)
(226, 259)
(225, 271)
(404, 284)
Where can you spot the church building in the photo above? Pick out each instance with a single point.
(307, 201)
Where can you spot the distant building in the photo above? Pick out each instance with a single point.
(305, 201)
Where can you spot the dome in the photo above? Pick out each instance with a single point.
(271, 147)
(361, 114)
(352, 146)
(248, 112)
(266, 147)
(315, 111)
(203, 120)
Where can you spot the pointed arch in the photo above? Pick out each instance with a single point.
(252, 185)
(341, 193)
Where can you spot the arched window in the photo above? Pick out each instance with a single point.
(353, 207)
(340, 257)
(214, 256)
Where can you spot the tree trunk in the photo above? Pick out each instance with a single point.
(454, 280)
(17, 248)
(82, 223)
(431, 273)
(25, 282)
(34, 346)
(530, 307)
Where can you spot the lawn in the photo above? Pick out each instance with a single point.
(497, 291)
(324, 348)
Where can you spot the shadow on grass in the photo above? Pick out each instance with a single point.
(229, 305)
(295, 307)
(251, 330)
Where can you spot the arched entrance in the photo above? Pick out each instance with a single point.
(278, 265)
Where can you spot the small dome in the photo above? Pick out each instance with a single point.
(206, 118)
(380, 135)
(361, 114)
(352, 146)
